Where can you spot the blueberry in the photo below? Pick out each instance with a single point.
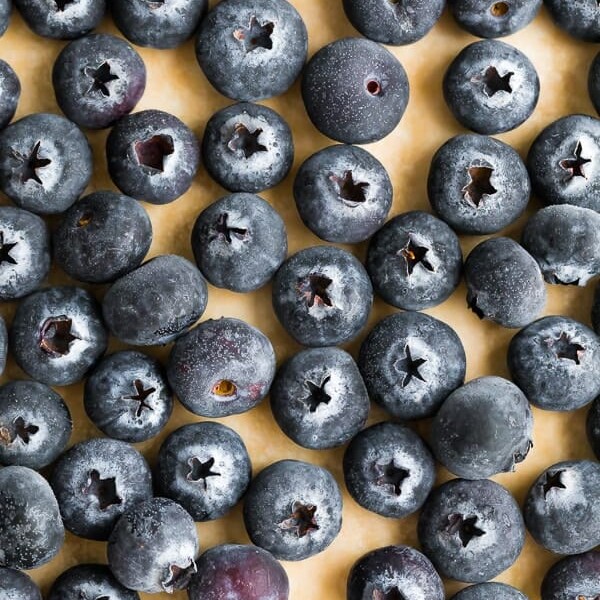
(152, 156)
(24, 252)
(489, 591)
(596, 310)
(394, 572)
(57, 335)
(153, 547)
(579, 20)
(127, 396)
(10, 86)
(594, 82)
(205, 467)
(556, 362)
(95, 482)
(5, 10)
(504, 283)
(322, 296)
(221, 367)
(319, 399)
(561, 509)
(31, 530)
(355, 91)
(293, 509)
(45, 163)
(156, 302)
(3, 345)
(478, 184)
(98, 79)
(247, 147)
(16, 585)
(563, 159)
(414, 261)
(239, 242)
(238, 572)
(89, 581)
(252, 49)
(35, 424)
(471, 530)
(491, 87)
(343, 194)
(410, 363)
(593, 426)
(573, 577)
(389, 470)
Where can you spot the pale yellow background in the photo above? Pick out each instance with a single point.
(176, 84)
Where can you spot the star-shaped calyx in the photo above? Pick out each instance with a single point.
(564, 347)
(223, 230)
(390, 475)
(21, 431)
(31, 162)
(104, 490)
(245, 141)
(479, 185)
(414, 255)
(62, 4)
(553, 481)
(410, 366)
(5, 249)
(315, 289)
(56, 336)
(256, 35)
(178, 578)
(152, 152)
(391, 594)
(101, 77)
(302, 520)
(201, 471)
(317, 394)
(493, 82)
(141, 395)
(348, 188)
(575, 166)
(465, 528)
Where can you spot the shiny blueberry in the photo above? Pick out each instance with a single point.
(579, 19)
(10, 88)
(489, 591)
(89, 581)
(16, 585)
(573, 577)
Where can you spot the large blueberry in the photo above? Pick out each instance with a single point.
(579, 18)
(10, 88)
(89, 581)
(16, 585)
(489, 591)
(593, 426)
(573, 577)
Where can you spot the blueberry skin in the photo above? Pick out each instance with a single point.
(10, 86)
(491, 87)
(478, 184)
(16, 585)
(389, 470)
(594, 82)
(31, 530)
(556, 362)
(156, 302)
(221, 367)
(247, 147)
(593, 426)
(561, 509)
(252, 49)
(504, 283)
(355, 91)
(98, 79)
(153, 547)
(410, 363)
(483, 428)
(95, 482)
(394, 571)
(89, 581)
(152, 156)
(471, 530)
(343, 194)
(127, 396)
(322, 296)
(5, 10)
(572, 576)
(3, 345)
(293, 509)
(57, 335)
(239, 242)
(489, 591)
(45, 163)
(24, 252)
(414, 261)
(35, 424)
(205, 467)
(596, 310)
(319, 399)
(580, 20)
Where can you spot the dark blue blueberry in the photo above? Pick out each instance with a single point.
(483, 428)
(504, 283)
(239, 242)
(31, 530)
(57, 335)
(10, 87)
(102, 237)
(491, 87)
(322, 296)
(45, 163)
(35, 424)
(579, 18)
(490, 591)
(410, 363)
(573, 577)
(221, 367)
(355, 91)
(471, 530)
(556, 362)
(3, 344)
(594, 82)
(389, 470)
(593, 426)
(562, 511)
(152, 156)
(95, 482)
(394, 572)
(478, 184)
(205, 467)
(156, 302)
(414, 261)
(252, 49)
(127, 396)
(293, 509)
(319, 399)
(343, 194)
(98, 79)
(24, 252)
(596, 310)
(5, 10)
(247, 147)
(89, 582)
(153, 547)
(16, 585)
